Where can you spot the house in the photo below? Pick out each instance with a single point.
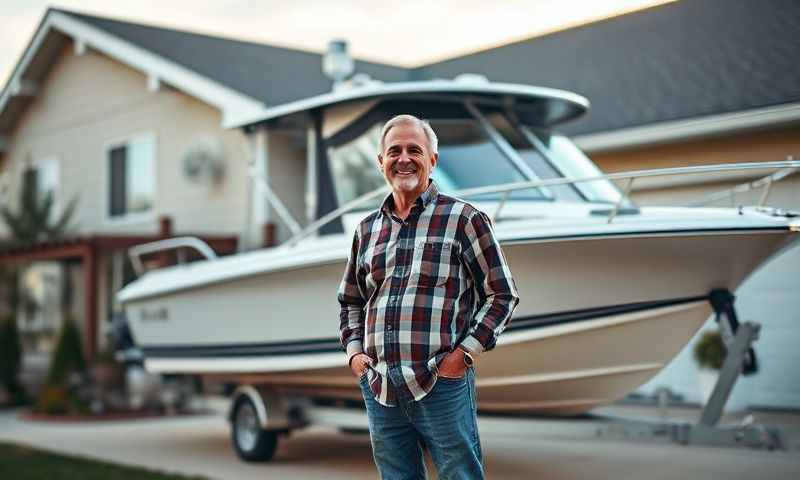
(132, 118)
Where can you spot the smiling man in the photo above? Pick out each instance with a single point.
(426, 290)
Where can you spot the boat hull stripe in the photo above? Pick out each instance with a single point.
(327, 345)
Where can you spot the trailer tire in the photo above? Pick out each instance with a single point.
(251, 442)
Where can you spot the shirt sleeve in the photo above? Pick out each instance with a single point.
(497, 293)
(351, 302)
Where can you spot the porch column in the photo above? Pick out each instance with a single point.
(90, 280)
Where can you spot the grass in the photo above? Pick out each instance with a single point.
(25, 463)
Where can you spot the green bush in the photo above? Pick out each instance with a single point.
(68, 357)
(58, 396)
(10, 358)
(710, 351)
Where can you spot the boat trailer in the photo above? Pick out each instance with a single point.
(740, 359)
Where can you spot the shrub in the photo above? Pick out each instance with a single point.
(710, 351)
(68, 356)
(10, 358)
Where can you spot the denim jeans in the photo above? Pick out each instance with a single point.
(444, 420)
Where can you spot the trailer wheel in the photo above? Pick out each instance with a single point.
(251, 442)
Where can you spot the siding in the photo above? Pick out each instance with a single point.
(91, 100)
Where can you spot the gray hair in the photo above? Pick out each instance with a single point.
(406, 119)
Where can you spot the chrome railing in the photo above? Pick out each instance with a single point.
(136, 252)
(730, 193)
(785, 166)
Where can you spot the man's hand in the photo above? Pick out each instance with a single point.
(359, 364)
(453, 365)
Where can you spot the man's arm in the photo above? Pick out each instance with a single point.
(351, 301)
(497, 294)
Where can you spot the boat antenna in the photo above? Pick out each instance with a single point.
(337, 64)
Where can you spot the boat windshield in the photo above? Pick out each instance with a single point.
(471, 155)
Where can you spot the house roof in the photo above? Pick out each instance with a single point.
(677, 61)
(271, 74)
(676, 70)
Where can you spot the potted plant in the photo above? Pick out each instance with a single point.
(709, 353)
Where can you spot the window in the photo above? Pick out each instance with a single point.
(132, 180)
(533, 158)
(571, 160)
(468, 159)
(354, 166)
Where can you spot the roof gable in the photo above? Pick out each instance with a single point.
(58, 29)
(271, 74)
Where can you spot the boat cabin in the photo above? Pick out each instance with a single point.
(489, 134)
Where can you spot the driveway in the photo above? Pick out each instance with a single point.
(199, 445)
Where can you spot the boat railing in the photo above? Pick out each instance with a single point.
(785, 168)
(764, 183)
(136, 252)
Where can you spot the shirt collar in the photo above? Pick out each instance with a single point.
(428, 196)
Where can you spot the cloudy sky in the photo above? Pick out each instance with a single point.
(405, 33)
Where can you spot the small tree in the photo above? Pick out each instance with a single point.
(31, 223)
(68, 357)
(10, 358)
(59, 394)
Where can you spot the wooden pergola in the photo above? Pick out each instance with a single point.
(87, 249)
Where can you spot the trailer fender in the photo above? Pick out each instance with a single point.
(271, 408)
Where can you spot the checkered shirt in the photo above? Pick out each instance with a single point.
(416, 289)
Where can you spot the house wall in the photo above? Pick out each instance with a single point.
(770, 295)
(88, 102)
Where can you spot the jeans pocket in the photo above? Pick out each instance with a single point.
(452, 380)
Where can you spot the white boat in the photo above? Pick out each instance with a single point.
(610, 292)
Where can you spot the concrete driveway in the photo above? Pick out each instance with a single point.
(200, 445)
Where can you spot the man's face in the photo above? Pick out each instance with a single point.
(406, 159)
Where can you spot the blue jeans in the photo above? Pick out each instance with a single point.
(445, 420)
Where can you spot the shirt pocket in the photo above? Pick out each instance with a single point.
(434, 263)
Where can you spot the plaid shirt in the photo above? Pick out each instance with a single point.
(416, 289)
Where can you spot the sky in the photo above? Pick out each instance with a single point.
(407, 33)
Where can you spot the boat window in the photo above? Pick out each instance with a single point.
(572, 161)
(354, 166)
(468, 159)
(540, 165)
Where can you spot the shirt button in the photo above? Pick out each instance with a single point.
(389, 327)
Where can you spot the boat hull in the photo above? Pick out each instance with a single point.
(598, 317)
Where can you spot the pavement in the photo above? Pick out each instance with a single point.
(199, 444)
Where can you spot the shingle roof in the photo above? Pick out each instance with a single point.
(681, 60)
(273, 75)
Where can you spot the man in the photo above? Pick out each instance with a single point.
(425, 291)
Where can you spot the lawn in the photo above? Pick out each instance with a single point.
(25, 463)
